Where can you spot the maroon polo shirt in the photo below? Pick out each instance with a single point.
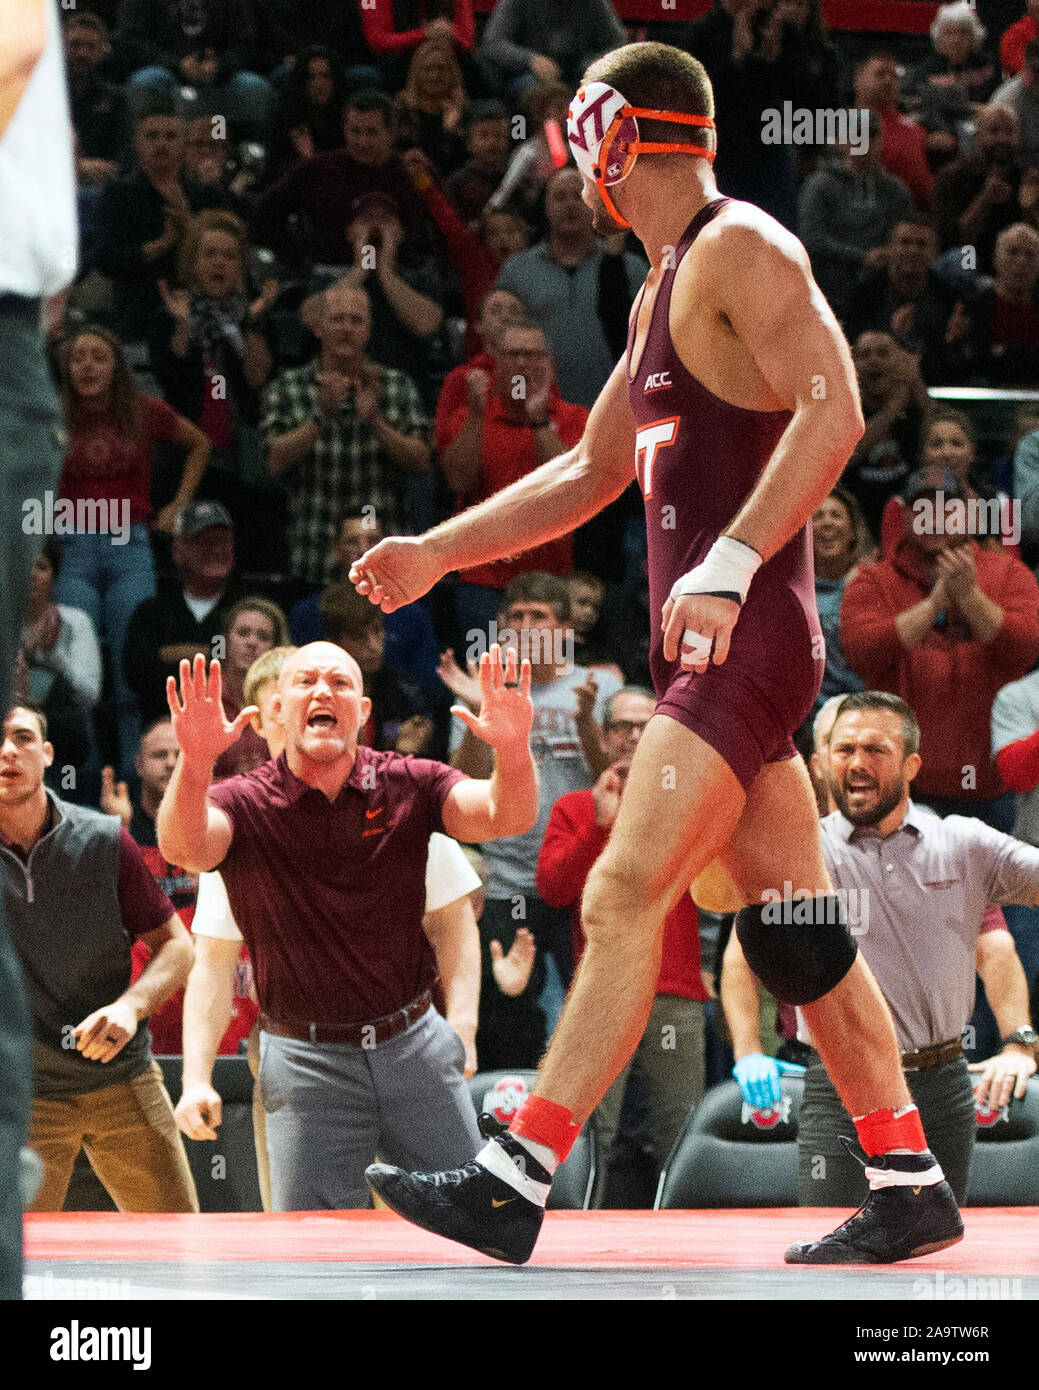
(330, 895)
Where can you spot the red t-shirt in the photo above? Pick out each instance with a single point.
(510, 452)
(453, 396)
(1014, 325)
(904, 154)
(101, 463)
(1014, 42)
(215, 418)
(572, 844)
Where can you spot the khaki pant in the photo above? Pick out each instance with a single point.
(130, 1138)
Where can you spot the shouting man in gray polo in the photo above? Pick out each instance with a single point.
(323, 853)
(921, 886)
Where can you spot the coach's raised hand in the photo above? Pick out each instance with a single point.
(202, 728)
(397, 571)
(506, 709)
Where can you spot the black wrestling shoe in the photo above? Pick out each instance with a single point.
(895, 1223)
(469, 1205)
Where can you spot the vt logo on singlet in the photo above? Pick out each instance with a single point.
(648, 440)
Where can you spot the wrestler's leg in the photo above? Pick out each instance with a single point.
(777, 841)
(680, 805)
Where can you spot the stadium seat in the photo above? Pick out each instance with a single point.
(500, 1093)
(729, 1155)
(1004, 1168)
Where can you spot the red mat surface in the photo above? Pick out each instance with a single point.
(999, 1240)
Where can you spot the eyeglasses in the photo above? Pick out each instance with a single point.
(626, 726)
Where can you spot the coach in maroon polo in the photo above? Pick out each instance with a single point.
(323, 851)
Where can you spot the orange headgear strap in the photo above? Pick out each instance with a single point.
(617, 153)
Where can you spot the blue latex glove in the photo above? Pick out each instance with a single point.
(758, 1079)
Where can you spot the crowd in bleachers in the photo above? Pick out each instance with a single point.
(318, 242)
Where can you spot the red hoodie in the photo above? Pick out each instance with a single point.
(572, 844)
(949, 678)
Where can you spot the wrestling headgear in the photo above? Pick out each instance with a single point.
(603, 131)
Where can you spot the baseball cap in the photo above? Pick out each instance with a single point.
(932, 480)
(197, 516)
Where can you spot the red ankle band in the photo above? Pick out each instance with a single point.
(545, 1122)
(880, 1132)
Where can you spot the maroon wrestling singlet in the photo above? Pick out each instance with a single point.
(698, 459)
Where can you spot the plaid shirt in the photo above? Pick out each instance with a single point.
(347, 469)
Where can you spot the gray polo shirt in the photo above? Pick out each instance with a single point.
(919, 895)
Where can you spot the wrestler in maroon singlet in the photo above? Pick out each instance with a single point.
(702, 457)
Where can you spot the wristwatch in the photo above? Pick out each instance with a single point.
(1023, 1037)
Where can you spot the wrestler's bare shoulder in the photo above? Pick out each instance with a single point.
(742, 241)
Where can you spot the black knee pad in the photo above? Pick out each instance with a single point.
(799, 950)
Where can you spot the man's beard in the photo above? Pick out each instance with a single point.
(888, 799)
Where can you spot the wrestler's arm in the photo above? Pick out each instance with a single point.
(763, 285)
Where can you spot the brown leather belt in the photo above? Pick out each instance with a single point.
(935, 1056)
(376, 1030)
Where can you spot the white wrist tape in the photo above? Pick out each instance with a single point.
(725, 571)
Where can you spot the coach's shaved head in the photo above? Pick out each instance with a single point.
(322, 705)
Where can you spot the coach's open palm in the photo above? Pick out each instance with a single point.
(396, 572)
(202, 728)
(506, 709)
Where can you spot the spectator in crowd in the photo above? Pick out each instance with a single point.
(309, 115)
(1021, 95)
(958, 76)
(431, 109)
(905, 297)
(412, 650)
(356, 948)
(1026, 487)
(948, 441)
(513, 422)
(944, 624)
(205, 46)
(565, 740)
(809, 55)
(142, 219)
(626, 624)
(112, 432)
(97, 107)
(395, 33)
(578, 289)
(903, 142)
(498, 309)
(345, 433)
(322, 194)
(487, 145)
(978, 195)
(997, 337)
(532, 162)
(849, 208)
(893, 401)
(209, 354)
(923, 955)
(476, 256)
(741, 43)
(1014, 43)
(156, 758)
(214, 168)
(840, 542)
(671, 1052)
(334, 26)
(586, 596)
(186, 615)
(397, 720)
(1015, 737)
(527, 40)
(59, 640)
(252, 627)
(405, 292)
(95, 1085)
